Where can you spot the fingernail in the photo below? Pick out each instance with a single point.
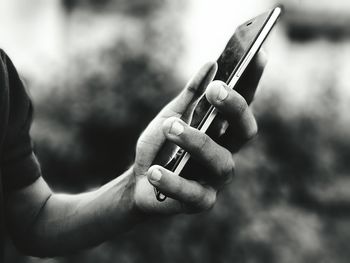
(155, 175)
(176, 128)
(223, 93)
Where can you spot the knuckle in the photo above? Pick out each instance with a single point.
(204, 141)
(208, 201)
(191, 89)
(241, 107)
(140, 145)
(252, 131)
(143, 142)
(179, 186)
(196, 198)
(200, 201)
(228, 169)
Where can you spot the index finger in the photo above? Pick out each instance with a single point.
(184, 103)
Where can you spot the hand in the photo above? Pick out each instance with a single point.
(212, 164)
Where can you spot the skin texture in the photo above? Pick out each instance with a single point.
(43, 223)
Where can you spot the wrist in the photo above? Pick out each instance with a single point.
(127, 199)
(117, 206)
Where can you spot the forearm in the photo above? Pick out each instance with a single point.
(66, 223)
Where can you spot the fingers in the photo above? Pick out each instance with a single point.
(202, 148)
(192, 195)
(234, 109)
(234, 106)
(149, 145)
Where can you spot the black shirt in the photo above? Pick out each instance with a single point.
(18, 164)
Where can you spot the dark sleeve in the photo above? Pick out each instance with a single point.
(19, 164)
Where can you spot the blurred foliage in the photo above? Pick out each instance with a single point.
(106, 98)
(289, 201)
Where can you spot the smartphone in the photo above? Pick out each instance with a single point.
(232, 63)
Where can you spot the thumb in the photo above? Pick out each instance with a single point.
(183, 105)
(151, 146)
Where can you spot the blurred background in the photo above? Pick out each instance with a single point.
(99, 71)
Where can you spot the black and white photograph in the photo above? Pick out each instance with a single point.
(146, 131)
